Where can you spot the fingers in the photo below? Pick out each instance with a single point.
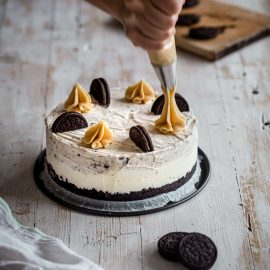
(151, 24)
(158, 18)
(149, 30)
(169, 6)
(140, 40)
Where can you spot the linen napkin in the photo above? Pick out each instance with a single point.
(28, 248)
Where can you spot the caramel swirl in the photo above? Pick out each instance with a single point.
(98, 135)
(141, 92)
(171, 119)
(79, 100)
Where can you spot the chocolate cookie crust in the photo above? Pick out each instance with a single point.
(134, 195)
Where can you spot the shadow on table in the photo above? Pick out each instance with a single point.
(113, 24)
(16, 176)
(155, 261)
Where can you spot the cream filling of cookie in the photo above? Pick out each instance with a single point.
(122, 167)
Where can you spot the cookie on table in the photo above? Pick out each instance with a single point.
(205, 32)
(190, 3)
(197, 251)
(168, 245)
(187, 19)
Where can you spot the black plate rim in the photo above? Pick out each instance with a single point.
(39, 167)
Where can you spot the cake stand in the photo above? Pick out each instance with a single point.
(122, 208)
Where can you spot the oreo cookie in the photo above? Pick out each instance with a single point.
(159, 103)
(69, 121)
(141, 138)
(168, 245)
(197, 251)
(190, 3)
(187, 19)
(205, 32)
(100, 91)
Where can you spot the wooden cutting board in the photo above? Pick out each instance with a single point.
(246, 27)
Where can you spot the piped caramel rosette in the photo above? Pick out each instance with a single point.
(98, 136)
(79, 100)
(140, 93)
(171, 119)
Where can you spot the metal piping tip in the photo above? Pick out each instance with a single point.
(166, 75)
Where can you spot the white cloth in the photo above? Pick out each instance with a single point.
(28, 248)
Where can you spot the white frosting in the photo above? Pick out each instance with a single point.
(122, 167)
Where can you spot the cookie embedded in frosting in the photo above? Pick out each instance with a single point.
(98, 135)
(69, 121)
(171, 119)
(139, 135)
(79, 100)
(141, 92)
(158, 105)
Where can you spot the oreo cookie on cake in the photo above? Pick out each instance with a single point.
(100, 91)
(181, 103)
(69, 121)
(141, 138)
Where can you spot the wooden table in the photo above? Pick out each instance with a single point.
(46, 46)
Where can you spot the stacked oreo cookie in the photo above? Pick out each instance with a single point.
(194, 250)
(198, 32)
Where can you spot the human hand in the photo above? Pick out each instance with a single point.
(150, 24)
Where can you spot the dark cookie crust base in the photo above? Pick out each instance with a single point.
(132, 196)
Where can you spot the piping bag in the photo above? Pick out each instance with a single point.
(164, 64)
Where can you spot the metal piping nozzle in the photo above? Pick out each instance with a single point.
(166, 75)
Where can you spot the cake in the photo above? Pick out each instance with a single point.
(121, 171)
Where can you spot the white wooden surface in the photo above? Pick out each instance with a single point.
(45, 46)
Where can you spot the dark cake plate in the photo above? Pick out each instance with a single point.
(122, 208)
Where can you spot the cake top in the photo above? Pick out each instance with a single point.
(120, 116)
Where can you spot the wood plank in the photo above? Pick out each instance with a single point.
(3, 4)
(24, 65)
(249, 139)
(242, 27)
(21, 139)
(40, 59)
